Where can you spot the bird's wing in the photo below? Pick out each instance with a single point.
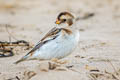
(51, 35)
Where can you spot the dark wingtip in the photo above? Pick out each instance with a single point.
(23, 59)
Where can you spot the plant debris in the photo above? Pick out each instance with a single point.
(6, 48)
(70, 66)
(52, 66)
(29, 74)
(86, 16)
(15, 78)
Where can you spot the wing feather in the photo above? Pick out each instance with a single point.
(52, 34)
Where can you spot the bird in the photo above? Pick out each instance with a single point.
(58, 43)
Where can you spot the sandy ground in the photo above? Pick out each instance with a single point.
(97, 56)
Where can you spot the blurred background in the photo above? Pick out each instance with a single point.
(99, 45)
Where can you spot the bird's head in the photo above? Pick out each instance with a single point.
(65, 18)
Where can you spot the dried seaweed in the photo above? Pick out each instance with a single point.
(7, 51)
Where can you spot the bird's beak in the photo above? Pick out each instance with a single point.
(58, 21)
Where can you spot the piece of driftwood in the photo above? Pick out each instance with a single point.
(7, 51)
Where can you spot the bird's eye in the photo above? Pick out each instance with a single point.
(64, 20)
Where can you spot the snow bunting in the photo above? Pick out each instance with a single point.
(58, 43)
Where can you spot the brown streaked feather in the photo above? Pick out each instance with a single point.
(67, 31)
(70, 22)
(51, 33)
(30, 53)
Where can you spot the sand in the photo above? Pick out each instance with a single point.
(97, 56)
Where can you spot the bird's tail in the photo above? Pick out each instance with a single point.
(22, 59)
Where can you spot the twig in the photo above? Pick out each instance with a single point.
(86, 16)
(73, 70)
(113, 68)
(17, 78)
(9, 32)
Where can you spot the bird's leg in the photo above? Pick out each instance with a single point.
(56, 60)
